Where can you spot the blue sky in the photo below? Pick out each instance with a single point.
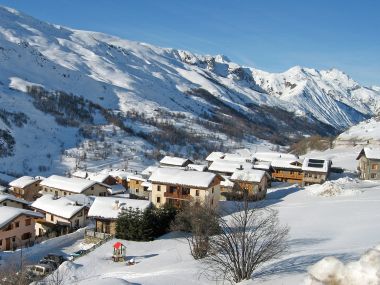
(272, 35)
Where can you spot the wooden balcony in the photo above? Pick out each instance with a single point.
(288, 175)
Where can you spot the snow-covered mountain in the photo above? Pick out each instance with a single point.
(135, 97)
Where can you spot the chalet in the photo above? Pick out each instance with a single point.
(172, 161)
(63, 186)
(226, 185)
(369, 164)
(286, 170)
(136, 187)
(26, 187)
(176, 186)
(104, 178)
(17, 227)
(267, 167)
(315, 171)
(59, 213)
(12, 201)
(105, 210)
(121, 176)
(254, 181)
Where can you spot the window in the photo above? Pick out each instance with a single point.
(28, 222)
(185, 191)
(92, 188)
(5, 203)
(65, 193)
(373, 175)
(158, 200)
(26, 236)
(51, 217)
(17, 224)
(137, 182)
(1, 242)
(9, 227)
(158, 187)
(375, 166)
(197, 193)
(212, 190)
(13, 239)
(137, 190)
(80, 214)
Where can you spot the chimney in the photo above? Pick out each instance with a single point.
(115, 205)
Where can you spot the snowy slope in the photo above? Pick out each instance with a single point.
(366, 132)
(205, 97)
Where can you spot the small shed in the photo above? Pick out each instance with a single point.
(118, 252)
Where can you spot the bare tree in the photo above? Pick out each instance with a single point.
(201, 221)
(247, 239)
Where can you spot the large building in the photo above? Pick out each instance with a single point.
(369, 164)
(315, 171)
(177, 186)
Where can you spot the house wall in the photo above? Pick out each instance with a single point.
(13, 237)
(258, 189)
(95, 190)
(105, 226)
(136, 188)
(13, 204)
(285, 175)
(369, 168)
(29, 193)
(311, 177)
(211, 194)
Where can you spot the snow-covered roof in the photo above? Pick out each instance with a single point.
(136, 177)
(116, 189)
(73, 184)
(286, 163)
(215, 155)
(81, 199)
(264, 165)
(110, 207)
(370, 153)
(270, 156)
(250, 175)
(4, 197)
(149, 170)
(80, 174)
(23, 181)
(8, 214)
(175, 161)
(237, 157)
(226, 166)
(182, 177)
(315, 165)
(120, 173)
(197, 167)
(59, 206)
(98, 177)
(227, 182)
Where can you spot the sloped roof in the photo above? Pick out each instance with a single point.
(105, 207)
(4, 197)
(286, 163)
(249, 175)
(370, 153)
(73, 184)
(215, 155)
(23, 181)
(116, 189)
(62, 206)
(315, 165)
(197, 167)
(172, 160)
(270, 156)
(8, 214)
(149, 170)
(226, 166)
(174, 176)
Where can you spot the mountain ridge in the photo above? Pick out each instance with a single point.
(148, 92)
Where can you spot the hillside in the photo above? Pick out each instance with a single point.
(77, 98)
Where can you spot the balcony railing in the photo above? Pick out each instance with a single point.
(95, 234)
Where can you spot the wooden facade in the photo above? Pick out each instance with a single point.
(288, 175)
(28, 193)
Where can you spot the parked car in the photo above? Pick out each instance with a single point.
(55, 257)
(49, 262)
(39, 269)
(78, 253)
